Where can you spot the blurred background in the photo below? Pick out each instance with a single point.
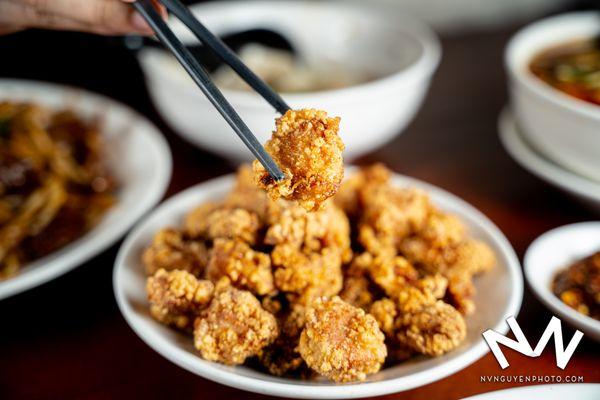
(452, 143)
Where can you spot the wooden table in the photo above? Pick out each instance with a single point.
(67, 338)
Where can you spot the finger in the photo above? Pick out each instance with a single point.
(96, 15)
(29, 17)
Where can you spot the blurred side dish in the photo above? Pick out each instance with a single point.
(578, 286)
(371, 277)
(573, 68)
(54, 185)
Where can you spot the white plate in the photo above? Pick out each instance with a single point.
(582, 188)
(499, 296)
(579, 391)
(553, 251)
(139, 158)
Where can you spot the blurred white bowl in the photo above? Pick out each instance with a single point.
(381, 40)
(561, 127)
(499, 295)
(554, 251)
(581, 188)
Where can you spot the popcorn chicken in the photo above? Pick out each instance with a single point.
(233, 327)
(247, 195)
(341, 342)
(177, 297)
(307, 276)
(274, 270)
(308, 149)
(433, 330)
(390, 214)
(246, 268)
(309, 231)
(170, 250)
(282, 357)
(348, 197)
(212, 222)
(385, 311)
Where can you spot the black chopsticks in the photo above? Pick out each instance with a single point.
(202, 78)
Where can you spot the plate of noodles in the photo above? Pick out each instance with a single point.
(77, 170)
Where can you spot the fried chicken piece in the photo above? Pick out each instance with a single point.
(390, 214)
(307, 276)
(433, 330)
(247, 195)
(391, 274)
(348, 198)
(358, 289)
(212, 221)
(308, 149)
(282, 357)
(233, 327)
(385, 311)
(246, 268)
(341, 342)
(459, 263)
(170, 250)
(309, 231)
(177, 297)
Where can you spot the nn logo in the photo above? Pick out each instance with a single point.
(563, 355)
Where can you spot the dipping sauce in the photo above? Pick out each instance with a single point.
(573, 68)
(578, 286)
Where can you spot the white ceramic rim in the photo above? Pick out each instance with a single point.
(536, 85)
(422, 69)
(527, 392)
(189, 361)
(529, 159)
(544, 293)
(82, 249)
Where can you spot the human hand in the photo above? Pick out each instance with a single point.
(106, 17)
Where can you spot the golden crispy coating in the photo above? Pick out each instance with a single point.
(247, 195)
(308, 149)
(384, 311)
(309, 231)
(391, 274)
(211, 222)
(195, 223)
(274, 270)
(433, 330)
(307, 276)
(171, 250)
(282, 357)
(246, 268)
(177, 297)
(357, 291)
(390, 214)
(341, 342)
(233, 327)
(348, 197)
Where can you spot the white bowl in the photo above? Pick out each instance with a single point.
(560, 391)
(138, 156)
(397, 46)
(554, 251)
(561, 127)
(499, 296)
(582, 188)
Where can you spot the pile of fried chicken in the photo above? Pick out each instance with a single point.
(301, 281)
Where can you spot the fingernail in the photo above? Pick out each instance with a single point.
(140, 23)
